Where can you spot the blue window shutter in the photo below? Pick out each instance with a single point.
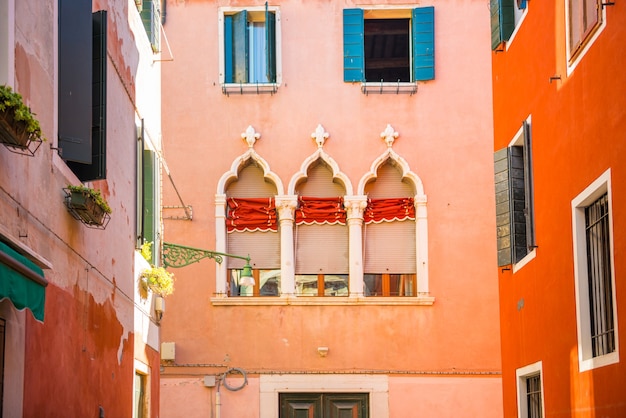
(502, 21)
(240, 47)
(75, 57)
(423, 33)
(270, 44)
(353, 44)
(228, 49)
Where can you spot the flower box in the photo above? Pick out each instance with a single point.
(19, 130)
(87, 206)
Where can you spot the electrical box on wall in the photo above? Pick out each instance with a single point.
(168, 351)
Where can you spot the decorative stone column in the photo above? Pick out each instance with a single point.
(421, 244)
(355, 206)
(286, 206)
(220, 244)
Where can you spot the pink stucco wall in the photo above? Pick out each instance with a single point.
(445, 137)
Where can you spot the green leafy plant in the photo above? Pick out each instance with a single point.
(95, 194)
(157, 279)
(11, 103)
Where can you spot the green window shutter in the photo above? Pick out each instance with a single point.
(503, 206)
(240, 47)
(518, 202)
(502, 21)
(150, 16)
(270, 44)
(353, 45)
(149, 198)
(97, 169)
(139, 192)
(75, 57)
(423, 33)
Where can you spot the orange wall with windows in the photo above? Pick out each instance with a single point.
(578, 125)
(441, 358)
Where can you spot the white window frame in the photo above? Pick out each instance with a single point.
(586, 361)
(520, 16)
(278, 47)
(521, 376)
(588, 41)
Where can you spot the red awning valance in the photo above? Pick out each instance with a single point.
(380, 210)
(320, 210)
(251, 214)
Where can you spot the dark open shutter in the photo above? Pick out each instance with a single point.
(502, 21)
(529, 210)
(503, 206)
(75, 86)
(353, 44)
(270, 44)
(97, 168)
(423, 33)
(240, 47)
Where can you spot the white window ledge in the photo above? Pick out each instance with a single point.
(249, 88)
(321, 301)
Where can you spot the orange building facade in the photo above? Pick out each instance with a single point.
(559, 125)
(344, 151)
(77, 339)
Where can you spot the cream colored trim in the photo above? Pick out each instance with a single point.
(420, 300)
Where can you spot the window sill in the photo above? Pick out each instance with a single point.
(249, 88)
(368, 88)
(321, 301)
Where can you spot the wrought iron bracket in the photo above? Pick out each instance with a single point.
(175, 255)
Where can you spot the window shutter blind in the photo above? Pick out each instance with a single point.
(139, 185)
(262, 247)
(529, 210)
(423, 32)
(321, 249)
(75, 87)
(240, 47)
(353, 44)
(270, 45)
(390, 248)
(503, 206)
(518, 202)
(228, 49)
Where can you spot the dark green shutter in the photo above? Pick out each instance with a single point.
(270, 44)
(423, 33)
(503, 206)
(529, 210)
(97, 169)
(75, 58)
(353, 45)
(518, 202)
(139, 196)
(149, 199)
(150, 18)
(502, 21)
(240, 47)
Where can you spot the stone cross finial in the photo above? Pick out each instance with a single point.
(320, 136)
(250, 136)
(389, 135)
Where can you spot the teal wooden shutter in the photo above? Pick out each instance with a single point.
(149, 199)
(270, 44)
(353, 45)
(423, 33)
(240, 47)
(228, 49)
(502, 21)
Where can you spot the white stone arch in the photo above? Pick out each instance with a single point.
(319, 154)
(239, 163)
(398, 161)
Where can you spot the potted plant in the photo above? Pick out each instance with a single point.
(87, 205)
(18, 126)
(157, 279)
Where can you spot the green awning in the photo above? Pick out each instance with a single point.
(22, 281)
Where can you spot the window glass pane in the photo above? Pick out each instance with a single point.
(575, 24)
(257, 66)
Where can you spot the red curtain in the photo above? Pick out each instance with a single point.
(251, 214)
(320, 210)
(398, 209)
